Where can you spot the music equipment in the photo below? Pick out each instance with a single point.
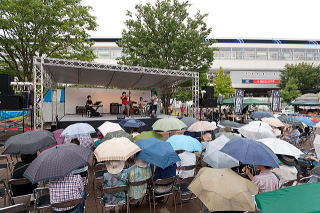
(206, 103)
(136, 110)
(5, 87)
(114, 108)
(10, 102)
(120, 117)
(209, 92)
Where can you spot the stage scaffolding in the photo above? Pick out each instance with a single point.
(48, 72)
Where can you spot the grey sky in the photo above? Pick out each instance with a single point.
(293, 19)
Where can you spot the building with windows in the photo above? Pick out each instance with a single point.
(253, 64)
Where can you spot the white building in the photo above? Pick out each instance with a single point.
(253, 64)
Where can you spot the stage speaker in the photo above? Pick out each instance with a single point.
(10, 102)
(209, 92)
(5, 87)
(206, 103)
(114, 108)
(120, 117)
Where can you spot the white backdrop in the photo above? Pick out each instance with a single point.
(78, 97)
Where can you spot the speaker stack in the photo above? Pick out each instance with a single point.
(8, 101)
(207, 100)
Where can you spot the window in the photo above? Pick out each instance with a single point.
(223, 53)
(261, 54)
(273, 54)
(299, 54)
(286, 54)
(249, 53)
(312, 55)
(237, 53)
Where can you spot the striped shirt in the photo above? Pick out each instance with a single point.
(266, 181)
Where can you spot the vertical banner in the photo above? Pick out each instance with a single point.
(238, 101)
(275, 101)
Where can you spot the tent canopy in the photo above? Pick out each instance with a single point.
(248, 101)
(117, 76)
(305, 103)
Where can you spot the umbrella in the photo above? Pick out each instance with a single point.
(116, 149)
(260, 123)
(229, 135)
(261, 114)
(59, 139)
(281, 147)
(168, 124)
(184, 142)
(217, 159)
(294, 199)
(275, 122)
(231, 124)
(202, 126)
(250, 152)
(57, 162)
(224, 190)
(255, 132)
(78, 129)
(289, 120)
(108, 127)
(29, 142)
(306, 121)
(133, 123)
(117, 134)
(157, 152)
(189, 121)
(146, 135)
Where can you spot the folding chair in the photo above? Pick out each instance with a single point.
(25, 199)
(67, 204)
(6, 166)
(113, 191)
(289, 183)
(18, 208)
(41, 199)
(147, 194)
(167, 182)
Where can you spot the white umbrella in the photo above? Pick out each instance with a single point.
(260, 123)
(217, 159)
(255, 132)
(275, 122)
(108, 127)
(78, 129)
(281, 147)
(202, 126)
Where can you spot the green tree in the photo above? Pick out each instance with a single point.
(165, 35)
(290, 91)
(52, 28)
(222, 84)
(306, 75)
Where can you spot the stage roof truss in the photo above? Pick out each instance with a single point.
(48, 72)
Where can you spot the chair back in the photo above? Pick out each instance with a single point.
(139, 183)
(18, 182)
(99, 169)
(165, 181)
(114, 190)
(14, 208)
(66, 204)
(41, 198)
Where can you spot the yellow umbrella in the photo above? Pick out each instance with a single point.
(116, 149)
(224, 190)
(202, 126)
(275, 122)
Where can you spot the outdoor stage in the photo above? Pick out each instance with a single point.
(97, 121)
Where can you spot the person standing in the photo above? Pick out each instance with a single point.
(125, 103)
(154, 100)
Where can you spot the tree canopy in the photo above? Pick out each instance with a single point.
(307, 77)
(165, 35)
(52, 28)
(290, 91)
(222, 84)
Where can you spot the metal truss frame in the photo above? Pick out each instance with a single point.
(44, 79)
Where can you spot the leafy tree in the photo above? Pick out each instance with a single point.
(306, 75)
(164, 35)
(52, 28)
(222, 84)
(290, 91)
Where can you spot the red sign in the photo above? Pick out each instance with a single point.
(266, 81)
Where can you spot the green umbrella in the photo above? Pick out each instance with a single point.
(305, 103)
(117, 134)
(248, 101)
(295, 199)
(290, 120)
(168, 124)
(228, 135)
(146, 135)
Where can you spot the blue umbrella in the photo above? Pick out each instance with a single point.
(261, 114)
(133, 123)
(250, 152)
(157, 152)
(306, 121)
(184, 142)
(189, 121)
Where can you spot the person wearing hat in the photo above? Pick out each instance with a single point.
(140, 172)
(287, 170)
(116, 176)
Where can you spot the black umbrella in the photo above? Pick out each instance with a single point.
(57, 162)
(29, 142)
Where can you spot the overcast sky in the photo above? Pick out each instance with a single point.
(279, 19)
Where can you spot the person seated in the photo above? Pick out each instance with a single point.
(99, 140)
(18, 170)
(140, 172)
(116, 176)
(294, 135)
(84, 140)
(160, 173)
(70, 187)
(187, 159)
(266, 180)
(89, 107)
(205, 139)
(135, 132)
(287, 170)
